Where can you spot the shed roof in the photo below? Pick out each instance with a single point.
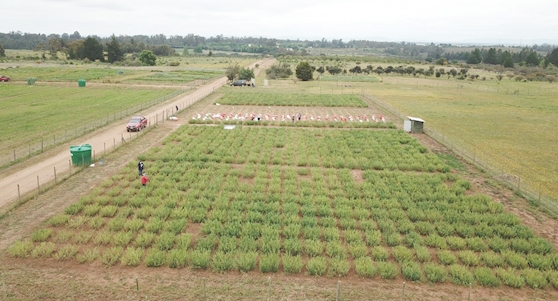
(415, 119)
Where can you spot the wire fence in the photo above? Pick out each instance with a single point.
(57, 138)
(533, 190)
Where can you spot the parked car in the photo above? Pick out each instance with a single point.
(240, 82)
(136, 124)
(4, 78)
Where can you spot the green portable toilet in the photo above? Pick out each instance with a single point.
(81, 82)
(31, 81)
(81, 154)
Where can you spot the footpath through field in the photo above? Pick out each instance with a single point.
(30, 179)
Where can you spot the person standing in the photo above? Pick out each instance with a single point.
(140, 168)
(144, 179)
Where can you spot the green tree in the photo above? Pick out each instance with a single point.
(246, 73)
(114, 50)
(185, 52)
(232, 71)
(147, 58)
(2, 51)
(334, 70)
(210, 53)
(198, 49)
(532, 59)
(552, 57)
(93, 50)
(474, 57)
(491, 57)
(304, 71)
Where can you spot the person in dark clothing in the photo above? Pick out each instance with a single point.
(140, 168)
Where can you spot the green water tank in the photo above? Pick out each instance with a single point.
(31, 81)
(81, 82)
(81, 154)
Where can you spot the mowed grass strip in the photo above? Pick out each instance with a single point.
(70, 73)
(28, 113)
(257, 97)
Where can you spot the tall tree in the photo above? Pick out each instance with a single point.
(245, 73)
(491, 57)
(2, 51)
(93, 50)
(552, 57)
(474, 57)
(114, 50)
(532, 59)
(304, 71)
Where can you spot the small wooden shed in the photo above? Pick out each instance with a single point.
(413, 125)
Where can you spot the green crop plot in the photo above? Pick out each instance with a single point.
(28, 113)
(66, 73)
(277, 200)
(287, 98)
(353, 78)
(178, 76)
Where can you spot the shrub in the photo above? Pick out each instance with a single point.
(222, 261)
(132, 256)
(413, 239)
(177, 258)
(552, 277)
(469, 258)
(41, 235)
(292, 264)
(388, 270)
(520, 245)
(44, 249)
(155, 257)
(373, 238)
(510, 277)
(144, 240)
(313, 248)
(476, 244)
(492, 259)
(541, 245)
(122, 238)
(411, 271)
(58, 220)
(338, 267)
(336, 250)
(423, 254)
(435, 272)
(393, 239)
(199, 259)
(402, 254)
(460, 275)
(364, 267)
(358, 250)
(110, 256)
(456, 243)
(317, 266)
(88, 256)
(379, 253)
(534, 278)
(269, 263)
(435, 241)
(133, 225)
(515, 260)
(539, 262)
(447, 257)
(486, 277)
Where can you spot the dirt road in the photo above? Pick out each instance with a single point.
(55, 165)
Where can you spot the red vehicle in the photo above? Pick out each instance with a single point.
(136, 124)
(4, 78)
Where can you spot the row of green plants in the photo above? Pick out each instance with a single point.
(272, 98)
(360, 149)
(424, 226)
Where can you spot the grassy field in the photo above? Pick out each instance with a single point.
(507, 124)
(259, 97)
(28, 113)
(320, 202)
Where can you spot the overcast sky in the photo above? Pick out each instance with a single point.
(440, 21)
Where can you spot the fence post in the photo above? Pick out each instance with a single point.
(55, 175)
(18, 194)
(338, 290)
(38, 186)
(14, 155)
(518, 183)
(403, 294)
(137, 285)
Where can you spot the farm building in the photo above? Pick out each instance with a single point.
(413, 125)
